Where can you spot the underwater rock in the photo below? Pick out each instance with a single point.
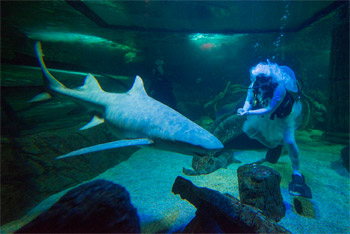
(29, 161)
(218, 213)
(345, 155)
(259, 186)
(206, 164)
(209, 163)
(99, 206)
(226, 129)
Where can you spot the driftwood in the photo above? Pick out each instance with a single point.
(230, 89)
(222, 213)
(310, 109)
(218, 97)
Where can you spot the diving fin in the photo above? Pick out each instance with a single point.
(109, 145)
(298, 187)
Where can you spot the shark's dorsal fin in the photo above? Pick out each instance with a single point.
(90, 84)
(137, 87)
(94, 122)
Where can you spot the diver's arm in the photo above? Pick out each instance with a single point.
(248, 101)
(277, 98)
(247, 104)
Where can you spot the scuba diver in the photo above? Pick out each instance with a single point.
(161, 88)
(273, 115)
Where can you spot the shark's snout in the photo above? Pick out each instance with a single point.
(204, 140)
(214, 144)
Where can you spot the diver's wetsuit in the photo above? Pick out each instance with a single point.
(260, 100)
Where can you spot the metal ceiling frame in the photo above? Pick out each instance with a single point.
(80, 6)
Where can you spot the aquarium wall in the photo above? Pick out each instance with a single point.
(338, 111)
(204, 49)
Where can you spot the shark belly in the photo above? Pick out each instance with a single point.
(145, 117)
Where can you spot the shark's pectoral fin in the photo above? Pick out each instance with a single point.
(93, 122)
(40, 97)
(109, 145)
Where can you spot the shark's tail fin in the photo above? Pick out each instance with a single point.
(49, 80)
(53, 85)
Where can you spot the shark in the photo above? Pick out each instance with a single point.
(135, 118)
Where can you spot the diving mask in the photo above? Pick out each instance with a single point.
(263, 79)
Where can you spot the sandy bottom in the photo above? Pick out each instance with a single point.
(149, 175)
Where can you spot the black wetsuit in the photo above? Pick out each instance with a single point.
(282, 111)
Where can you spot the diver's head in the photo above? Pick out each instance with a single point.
(262, 82)
(262, 79)
(282, 75)
(263, 72)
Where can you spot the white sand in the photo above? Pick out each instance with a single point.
(149, 175)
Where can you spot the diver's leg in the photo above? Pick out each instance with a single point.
(293, 150)
(273, 154)
(297, 187)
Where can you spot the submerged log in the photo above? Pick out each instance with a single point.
(259, 186)
(222, 213)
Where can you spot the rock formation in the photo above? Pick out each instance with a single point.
(99, 206)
